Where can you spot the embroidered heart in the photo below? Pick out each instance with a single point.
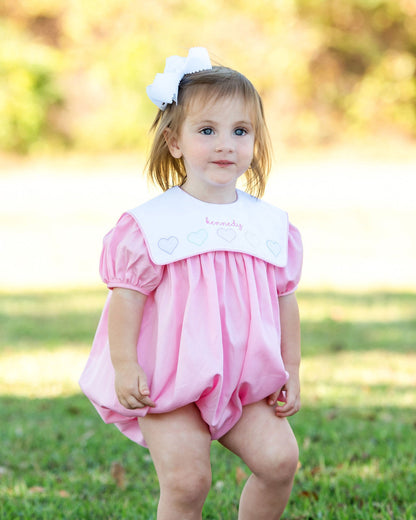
(226, 234)
(252, 238)
(274, 247)
(198, 237)
(168, 245)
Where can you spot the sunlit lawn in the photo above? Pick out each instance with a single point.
(356, 431)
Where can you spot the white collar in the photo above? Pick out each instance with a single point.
(177, 226)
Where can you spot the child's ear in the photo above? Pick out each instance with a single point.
(173, 143)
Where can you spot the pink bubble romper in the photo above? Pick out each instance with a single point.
(210, 335)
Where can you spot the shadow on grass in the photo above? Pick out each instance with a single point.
(51, 318)
(335, 322)
(58, 461)
(331, 322)
(330, 336)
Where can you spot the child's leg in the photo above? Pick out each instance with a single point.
(267, 445)
(179, 443)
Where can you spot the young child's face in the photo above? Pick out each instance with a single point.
(216, 143)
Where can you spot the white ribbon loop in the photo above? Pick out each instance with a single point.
(164, 89)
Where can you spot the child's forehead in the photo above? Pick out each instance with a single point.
(201, 107)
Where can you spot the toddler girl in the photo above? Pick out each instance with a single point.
(199, 338)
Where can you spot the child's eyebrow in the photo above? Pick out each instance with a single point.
(243, 123)
(210, 122)
(207, 122)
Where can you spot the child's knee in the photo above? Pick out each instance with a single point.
(279, 463)
(289, 460)
(187, 485)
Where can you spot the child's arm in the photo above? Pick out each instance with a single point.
(124, 320)
(290, 347)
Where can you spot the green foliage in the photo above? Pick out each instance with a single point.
(365, 69)
(76, 75)
(28, 90)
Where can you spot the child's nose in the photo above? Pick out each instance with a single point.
(224, 144)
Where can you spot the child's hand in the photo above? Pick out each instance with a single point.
(131, 387)
(292, 399)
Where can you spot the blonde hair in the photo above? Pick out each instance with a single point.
(166, 171)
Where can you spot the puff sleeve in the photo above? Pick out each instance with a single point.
(287, 278)
(125, 261)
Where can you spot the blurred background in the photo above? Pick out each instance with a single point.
(338, 80)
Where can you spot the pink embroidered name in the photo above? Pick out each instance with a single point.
(232, 224)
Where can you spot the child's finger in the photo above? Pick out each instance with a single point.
(144, 390)
(272, 399)
(277, 397)
(288, 409)
(133, 402)
(146, 401)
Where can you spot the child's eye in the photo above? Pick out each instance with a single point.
(207, 131)
(240, 131)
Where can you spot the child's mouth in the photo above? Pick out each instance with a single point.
(223, 163)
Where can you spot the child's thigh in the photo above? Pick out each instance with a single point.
(266, 443)
(178, 441)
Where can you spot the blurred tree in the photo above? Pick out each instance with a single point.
(75, 73)
(364, 73)
(27, 91)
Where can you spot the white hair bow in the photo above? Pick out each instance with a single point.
(164, 89)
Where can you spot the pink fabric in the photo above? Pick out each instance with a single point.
(210, 332)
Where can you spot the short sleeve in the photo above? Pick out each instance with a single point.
(288, 277)
(125, 261)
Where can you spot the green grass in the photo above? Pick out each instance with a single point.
(356, 430)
